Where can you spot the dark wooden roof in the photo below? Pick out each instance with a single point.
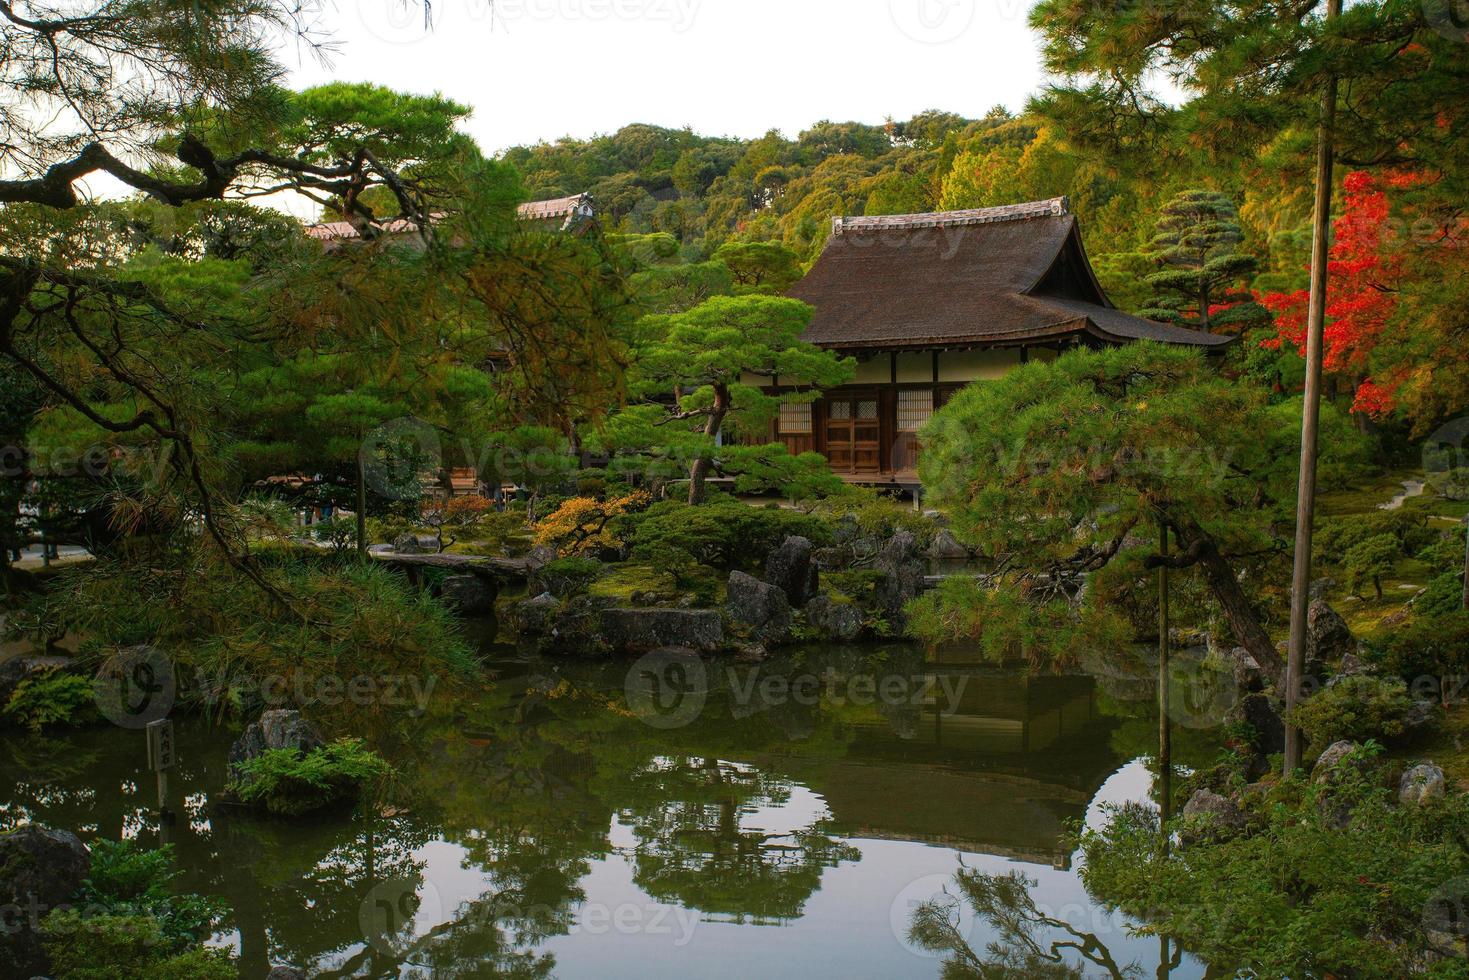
(989, 277)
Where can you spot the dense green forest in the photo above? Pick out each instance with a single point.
(1399, 240)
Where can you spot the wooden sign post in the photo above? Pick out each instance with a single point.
(161, 759)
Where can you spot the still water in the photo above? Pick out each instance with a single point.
(795, 820)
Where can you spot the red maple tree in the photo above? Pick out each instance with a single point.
(1365, 269)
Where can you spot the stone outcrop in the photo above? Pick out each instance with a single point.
(946, 547)
(1327, 636)
(1262, 713)
(759, 607)
(642, 630)
(416, 544)
(1213, 817)
(471, 596)
(841, 622)
(1422, 784)
(40, 870)
(277, 729)
(903, 577)
(792, 569)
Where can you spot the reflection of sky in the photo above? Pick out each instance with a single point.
(852, 926)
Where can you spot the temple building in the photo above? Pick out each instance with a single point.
(571, 214)
(927, 304)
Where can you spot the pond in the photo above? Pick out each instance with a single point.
(791, 819)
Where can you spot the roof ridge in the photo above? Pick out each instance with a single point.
(1051, 208)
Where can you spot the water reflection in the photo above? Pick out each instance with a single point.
(543, 829)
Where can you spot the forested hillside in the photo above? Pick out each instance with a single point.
(1174, 234)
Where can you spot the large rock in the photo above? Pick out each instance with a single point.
(642, 630)
(1249, 676)
(1327, 636)
(1332, 759)
(841, 622)
(471, 596)
(40, 870)
(792, 569)
(286, 973)
(281, 728)
(760, 606)
(546, 625)
(416, 544)
(903, 576)
(946, 547)
(1213, 817)
(1421, 784)
(1262, 713)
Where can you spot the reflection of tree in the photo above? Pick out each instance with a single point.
(692, 848)
(1029, 943)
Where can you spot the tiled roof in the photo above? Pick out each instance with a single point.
(561, 207)
(1003, 276)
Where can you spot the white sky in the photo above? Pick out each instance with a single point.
(540, 69)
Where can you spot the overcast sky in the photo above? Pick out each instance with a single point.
(540, 69)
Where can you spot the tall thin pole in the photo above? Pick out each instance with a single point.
(1466, 563)
(1165, 735)
(1300, 602)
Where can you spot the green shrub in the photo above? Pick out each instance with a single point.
(1369, 560)
(1444, 596)
(344, 618)
(723, 533)
(126, 880)
(125, 947)
(285, 782)
(52, 698)
(1427, 646)
(1357, 709)
(567, 577)
(1446, 554)
(1339, 535)
(877, 515)
(129, 924)
(1301, 897)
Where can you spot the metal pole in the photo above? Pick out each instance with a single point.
(1165, 736)
(1300, 603)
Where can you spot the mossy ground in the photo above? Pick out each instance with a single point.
(1364, 614)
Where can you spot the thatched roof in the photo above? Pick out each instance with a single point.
(994, 276)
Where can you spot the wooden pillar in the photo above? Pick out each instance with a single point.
(1165, 736)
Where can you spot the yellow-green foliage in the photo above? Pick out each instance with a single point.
(1357, 709)
(125, 947)
(52, 698)
(340, 619)
(283, 781)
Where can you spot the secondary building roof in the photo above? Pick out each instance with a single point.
(571, 210)
(1001, 276)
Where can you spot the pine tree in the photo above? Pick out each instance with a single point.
(1197, 244)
